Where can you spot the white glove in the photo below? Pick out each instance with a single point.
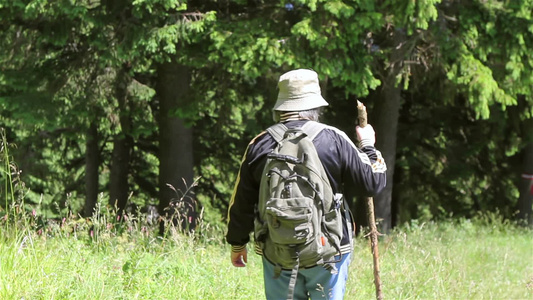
(366, 136)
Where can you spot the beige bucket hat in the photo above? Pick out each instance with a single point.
(299, 90)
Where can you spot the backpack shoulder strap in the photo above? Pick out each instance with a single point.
(312, 129)
(277, 131)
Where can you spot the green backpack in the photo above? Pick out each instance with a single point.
(299, 221)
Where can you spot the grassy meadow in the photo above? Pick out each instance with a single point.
(73, 259)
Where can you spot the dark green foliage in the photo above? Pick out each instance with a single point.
(464, 70)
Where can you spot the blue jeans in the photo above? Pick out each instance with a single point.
(314, 283)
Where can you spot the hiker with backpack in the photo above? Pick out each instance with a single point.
(289, 193)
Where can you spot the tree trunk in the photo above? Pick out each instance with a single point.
(525, 202)
(385, 121)
(92, 163)
(118, 181)
(175, 147)
(386, 126)
(122, 145)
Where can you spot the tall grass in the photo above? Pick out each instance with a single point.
(451, 260)
(72, 260)
(5, 172)
(9, 175)
(108, 258)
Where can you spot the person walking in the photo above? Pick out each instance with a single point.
(347, 167)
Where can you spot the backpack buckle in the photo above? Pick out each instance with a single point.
(287, 191)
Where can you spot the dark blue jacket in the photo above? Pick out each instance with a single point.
(360, 171)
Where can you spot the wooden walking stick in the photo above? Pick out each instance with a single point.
(361, 109)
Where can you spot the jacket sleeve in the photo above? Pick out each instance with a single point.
(365, 167)
(241, 211)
